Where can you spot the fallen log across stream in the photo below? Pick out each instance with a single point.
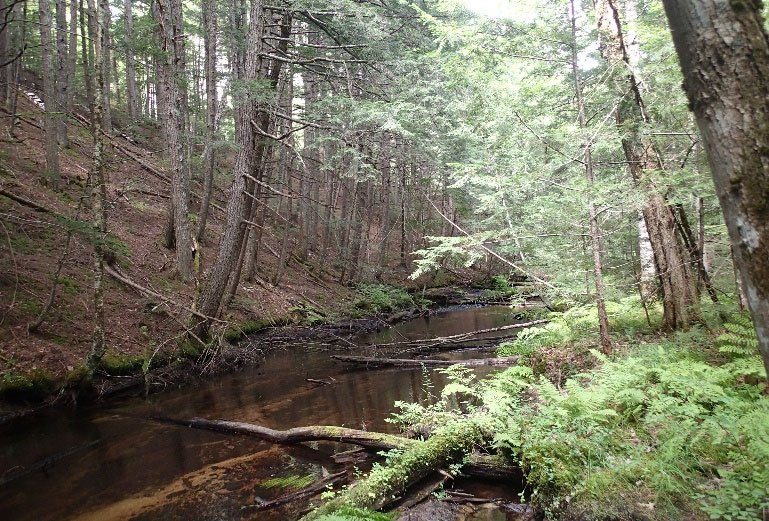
(462, 337)
(448, 445)
(479, 465)
(369, 361)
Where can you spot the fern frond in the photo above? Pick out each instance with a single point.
(740, 338)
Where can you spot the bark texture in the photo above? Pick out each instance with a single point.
(130, 63)
(171, 32)
(99, 209)
(671, 259)
(723, 48)
(62, 73)
(229, 244)
(209, 41)
(52, 172)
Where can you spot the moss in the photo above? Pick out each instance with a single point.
(68, 286)
(449, 444)
(238, 332)
(117, 364)
(30, 307)
(21, 386)
(191, 349)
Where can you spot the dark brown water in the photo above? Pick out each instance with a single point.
(114, 463)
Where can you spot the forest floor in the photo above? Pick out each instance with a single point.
(35, 223)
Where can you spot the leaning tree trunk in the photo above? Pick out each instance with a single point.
(229, 245)
(99, 202)
(723, 48)
(171, 32)
(52, 172)
(672, 262)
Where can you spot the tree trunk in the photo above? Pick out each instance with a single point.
(404, 246)
(105, 20)
(595, 230)
(62, 76)
(695, 251)
(480, 465)
(171, 31)
(209, 41)
(72, 55)
(87, 35)
(130, 63)
(723, 48)
(16, 41)
(373, 362)
(52, 172)
(4, 55)
(229, 245)
(99, 202)
(672, 264)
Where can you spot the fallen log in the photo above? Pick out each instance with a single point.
(450, 444)
(461, 337)
(410, 362)
(370, 440)
(480, 465)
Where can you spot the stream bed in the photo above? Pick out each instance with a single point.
(113, 462)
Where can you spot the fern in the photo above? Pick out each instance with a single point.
(740, 338)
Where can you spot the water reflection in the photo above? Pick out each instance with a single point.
(124, 466)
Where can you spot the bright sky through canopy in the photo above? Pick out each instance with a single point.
(492, 8)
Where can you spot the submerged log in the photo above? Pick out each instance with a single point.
(480, 465)
(463, 337)
(409, 362)
(303, 493)
(370, 440)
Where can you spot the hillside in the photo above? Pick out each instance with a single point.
(46, 229)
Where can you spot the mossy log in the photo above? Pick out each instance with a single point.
(370, 440)
(448, 445)
(479, 465)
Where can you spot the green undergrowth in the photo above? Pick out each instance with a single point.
(17, 385)
(349, 513)
(499, 288)
(674, 428)
(381, 298)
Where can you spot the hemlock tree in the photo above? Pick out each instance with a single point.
(644, 160)
(52, 172)
(171, 36)
(723, 48)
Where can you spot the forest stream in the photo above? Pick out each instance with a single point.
(115, 462)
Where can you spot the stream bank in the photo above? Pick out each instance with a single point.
(114, 462)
